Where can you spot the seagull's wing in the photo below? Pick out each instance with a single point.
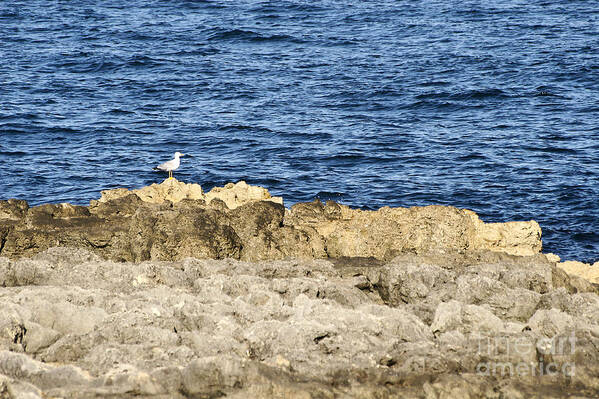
(165, 166)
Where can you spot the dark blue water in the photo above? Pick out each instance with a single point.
(370, 103)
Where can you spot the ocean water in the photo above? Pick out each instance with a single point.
(490, 106)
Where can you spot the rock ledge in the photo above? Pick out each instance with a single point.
(174, 220)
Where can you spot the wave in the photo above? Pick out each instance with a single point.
(220, 34)
(437, 105)
(329, 195)
(20, 116)
(472, 157)
(482, 94)
(13, 153)
(285, 7)
(200, 51)
(119, 111)
(551, 150)
(244, 128)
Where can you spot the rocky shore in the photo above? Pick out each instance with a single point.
(168, 291)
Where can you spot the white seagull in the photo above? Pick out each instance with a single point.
(171, 165)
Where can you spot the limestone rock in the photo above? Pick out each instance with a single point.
(514, 238)
(181, 232)
(471, 319)
(386, 233)
(551, 322)
(233, 195)
(174, 220)
(240, 193)
(48, 226)
(163, 221)
(359, 327)
(571, 282)
(13, 209)
(53, 213)
(15, 388)
(169, 190)
(212, 375)
(111, 206)
(584, 270)
(260, 227)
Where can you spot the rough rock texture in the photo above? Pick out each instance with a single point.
(387, 232)
(580, 269)
(233, 195)
(163, 222)
(169, 292)
(435, 325)
(174, 220)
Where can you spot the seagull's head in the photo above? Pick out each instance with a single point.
(178, 154)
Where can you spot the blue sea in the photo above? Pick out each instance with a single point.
(490, 106)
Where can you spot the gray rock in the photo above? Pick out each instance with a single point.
(551, 322)
(473, 319)
(417, 326)
(22, 273)
(213, 376)
(37, 337)
(14, 388)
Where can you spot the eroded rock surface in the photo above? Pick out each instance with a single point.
(174, 220)
(584, 270)
(168, 291)
(387, 232)
(172, 190)
(434, 325)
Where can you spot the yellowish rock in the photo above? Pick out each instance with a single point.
(552, 257)
(348, 232)
(170, 190)
(584, 270)
(109, 195)
(514, 238)
(387, 232)
(235, 195)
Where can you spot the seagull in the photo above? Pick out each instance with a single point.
(171, 165)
